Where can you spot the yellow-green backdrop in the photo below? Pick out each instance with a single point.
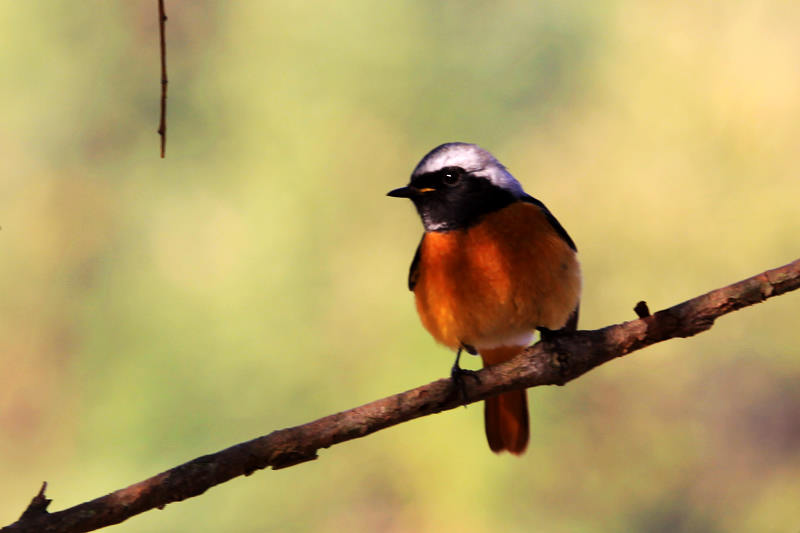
(155, 310)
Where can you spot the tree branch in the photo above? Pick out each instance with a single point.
(552, 363)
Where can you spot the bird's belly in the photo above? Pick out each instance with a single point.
(494, 283)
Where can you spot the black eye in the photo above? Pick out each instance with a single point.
(451, 175)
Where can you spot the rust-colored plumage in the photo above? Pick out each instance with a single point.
(501, 278)
(491, 285)
(506, 415)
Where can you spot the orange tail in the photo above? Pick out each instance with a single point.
(506, 415)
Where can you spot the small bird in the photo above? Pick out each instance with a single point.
(493, 266)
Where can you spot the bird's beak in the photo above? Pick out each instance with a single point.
(404, 192)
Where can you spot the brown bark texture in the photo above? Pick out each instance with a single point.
(554, 362)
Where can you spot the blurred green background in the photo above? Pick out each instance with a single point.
(152, 311)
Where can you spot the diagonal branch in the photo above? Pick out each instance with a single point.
(553, 363)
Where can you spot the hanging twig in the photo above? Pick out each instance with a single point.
(162, 125)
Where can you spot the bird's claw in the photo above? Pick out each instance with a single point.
(457, 374)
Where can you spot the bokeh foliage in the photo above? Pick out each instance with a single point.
(155, 310)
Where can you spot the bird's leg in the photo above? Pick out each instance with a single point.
(457, 373)
(550, 335)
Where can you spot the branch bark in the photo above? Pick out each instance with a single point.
(552, 363)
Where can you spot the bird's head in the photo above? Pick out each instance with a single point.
(456, 183)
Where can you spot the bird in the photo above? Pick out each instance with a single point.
(493, 267)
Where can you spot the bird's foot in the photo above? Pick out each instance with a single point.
(550, 335)
(457, 374)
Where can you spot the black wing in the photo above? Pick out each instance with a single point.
(572, 322)
(571, 325)
(413, 272)
(553, 221)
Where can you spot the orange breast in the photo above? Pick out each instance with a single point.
(503, 277)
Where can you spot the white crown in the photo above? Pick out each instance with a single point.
(473, 159)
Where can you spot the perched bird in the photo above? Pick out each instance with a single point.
(493, 266)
